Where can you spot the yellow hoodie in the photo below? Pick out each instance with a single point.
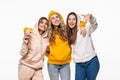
(60, 52)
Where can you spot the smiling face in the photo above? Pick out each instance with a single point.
(72, 21)
(42, 26)
(55, 20)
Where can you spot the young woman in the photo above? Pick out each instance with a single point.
(60, 53)
(33, 50)
(83, 52)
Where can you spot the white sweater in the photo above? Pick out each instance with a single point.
(83, 49)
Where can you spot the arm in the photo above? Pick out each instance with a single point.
(24, 49)
(93, 24)
(25, 45)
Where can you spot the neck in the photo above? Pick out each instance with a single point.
(56, 27)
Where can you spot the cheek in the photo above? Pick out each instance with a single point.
(46, 27)
(69, 23)
(40, 28)
(52, 21)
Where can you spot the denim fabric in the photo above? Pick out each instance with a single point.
(59, 70)
(87, 70)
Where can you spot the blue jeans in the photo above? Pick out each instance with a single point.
(56, 70)
(87, 70)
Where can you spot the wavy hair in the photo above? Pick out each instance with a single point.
(61, 30)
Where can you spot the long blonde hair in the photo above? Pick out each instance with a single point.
(61, 30)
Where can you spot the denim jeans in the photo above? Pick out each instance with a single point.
(56, 70)
(87, 70)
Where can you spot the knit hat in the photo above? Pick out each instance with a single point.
(27, 28)
(54, 12)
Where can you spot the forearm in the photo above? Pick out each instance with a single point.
(24, 49)
(93, 24)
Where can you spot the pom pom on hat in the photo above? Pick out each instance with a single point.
(27, 28)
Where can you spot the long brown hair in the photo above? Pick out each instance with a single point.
(61, 30)
(72, 32)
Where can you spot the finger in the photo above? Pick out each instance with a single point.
(86, 20)
(83, 15)
(89, 14)
(31, 31)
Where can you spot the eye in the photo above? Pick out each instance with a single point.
(52, 18)
(57, 16)
(46, 23)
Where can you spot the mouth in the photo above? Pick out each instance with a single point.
(56, 22)
(71, 24)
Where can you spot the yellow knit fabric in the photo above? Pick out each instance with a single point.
(82, 24)
(54, 12)
(27, 28)
(60, 52)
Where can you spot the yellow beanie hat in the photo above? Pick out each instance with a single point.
(54, 12)
(27, 28)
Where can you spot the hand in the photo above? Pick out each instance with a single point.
(83, 31)
(47, 51)
(26, 39)
(87, 17)
(27, 36)
(28, 32)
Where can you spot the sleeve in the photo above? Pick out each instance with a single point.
(24, 49)
(92, 24)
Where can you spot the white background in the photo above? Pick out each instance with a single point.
(15, 14)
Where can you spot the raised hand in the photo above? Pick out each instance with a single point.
(27, 36)
(87, 17)
(83, 31)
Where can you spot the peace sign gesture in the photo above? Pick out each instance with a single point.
(86, 17)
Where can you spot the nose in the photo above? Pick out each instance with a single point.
(44, 24)
(71, 21)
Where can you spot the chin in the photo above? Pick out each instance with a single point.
(71, 26)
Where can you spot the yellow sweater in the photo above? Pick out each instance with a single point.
(60, 52)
